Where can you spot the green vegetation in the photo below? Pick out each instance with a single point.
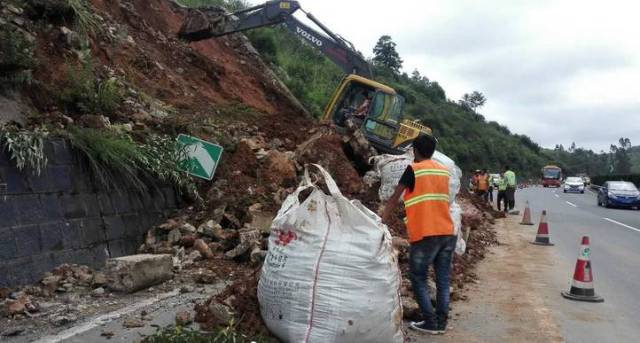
(16, 57)
(85, 93)
(68, 12)
(26, 148)
(118, 162)
(183, 335)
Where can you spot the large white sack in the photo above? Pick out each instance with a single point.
(330, 274)
(390, 169)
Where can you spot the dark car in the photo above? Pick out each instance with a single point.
(619, 194)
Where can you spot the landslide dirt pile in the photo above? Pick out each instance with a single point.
(220, 91)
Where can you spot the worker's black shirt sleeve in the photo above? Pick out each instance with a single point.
(408, 178)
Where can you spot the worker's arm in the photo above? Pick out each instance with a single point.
(392, 204)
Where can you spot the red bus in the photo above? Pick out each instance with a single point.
(551, 176)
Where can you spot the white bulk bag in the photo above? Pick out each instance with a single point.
(331, 274)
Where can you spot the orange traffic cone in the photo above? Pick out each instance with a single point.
(582, 283)
(542, 237)
(526, 218)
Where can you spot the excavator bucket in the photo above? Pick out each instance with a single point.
(203, 24)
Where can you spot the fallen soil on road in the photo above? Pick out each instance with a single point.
(507, 303)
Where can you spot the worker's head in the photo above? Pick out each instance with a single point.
(484, 171)
(424, 146)
(506, 168)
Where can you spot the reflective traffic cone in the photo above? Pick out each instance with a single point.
(526, 218)
(582, 283)
(542, 237)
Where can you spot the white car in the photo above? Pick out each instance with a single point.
(574, 184)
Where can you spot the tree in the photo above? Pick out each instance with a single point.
(473, 101)
(620, 159)
(386, 56)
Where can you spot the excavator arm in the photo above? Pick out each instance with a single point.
(216, 22)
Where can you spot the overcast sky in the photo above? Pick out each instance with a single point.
(557, 70)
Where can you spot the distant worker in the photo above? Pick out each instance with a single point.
(425, 185)
(510, 176)
(502, 193)
(492, 182)
(476, 175)
(483, 185)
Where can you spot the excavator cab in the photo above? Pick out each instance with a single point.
(383, 126)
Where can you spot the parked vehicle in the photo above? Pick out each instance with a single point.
(619, 194)
(574, 184)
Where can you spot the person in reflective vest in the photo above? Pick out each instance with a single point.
(502, 193)
(483, 184)
(510, 177)
(425, 185)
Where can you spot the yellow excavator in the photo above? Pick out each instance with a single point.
(382, 121)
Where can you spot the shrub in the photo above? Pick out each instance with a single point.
(84, 93)
(16, 57)
(184, 335)
(118, 162)
(69, 12)
(26, 148)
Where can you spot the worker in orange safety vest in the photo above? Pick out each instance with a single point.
(425, 185)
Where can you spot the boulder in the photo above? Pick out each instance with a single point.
(278, 170)
(132, 273)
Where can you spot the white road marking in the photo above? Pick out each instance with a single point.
(571, 204)
(557, 196)
(622, 224)
(103, 319)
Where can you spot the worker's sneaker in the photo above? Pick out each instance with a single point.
(427, 327)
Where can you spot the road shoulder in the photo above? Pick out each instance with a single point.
(508, 302)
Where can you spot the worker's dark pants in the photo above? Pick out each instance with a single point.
(490, 195)
(436, 250)
(502, 197)
(511, 197)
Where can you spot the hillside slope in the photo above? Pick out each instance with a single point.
(464, 135)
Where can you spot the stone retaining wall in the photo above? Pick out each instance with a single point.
(63, 216)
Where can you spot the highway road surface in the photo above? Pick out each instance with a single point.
(615, 256)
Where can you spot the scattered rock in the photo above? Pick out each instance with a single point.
(203, 248)
(220, 311)
(183, 318)
(188, 241)
(98, 292)
(187, 229)
(133, 323)
(94, 121)
(174, 236)
(107, 334)
(135, 272)
(186, 289)
(205, 277)
(99, 279)
(61, 320)
(278, 170)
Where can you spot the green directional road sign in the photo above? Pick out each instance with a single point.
(203, 157)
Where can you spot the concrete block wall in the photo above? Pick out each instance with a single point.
(63, 216)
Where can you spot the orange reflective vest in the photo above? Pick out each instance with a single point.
(483, 182)
(427, 206)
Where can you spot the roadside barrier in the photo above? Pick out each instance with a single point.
(582, 282)
(542, 237)
(526, 218)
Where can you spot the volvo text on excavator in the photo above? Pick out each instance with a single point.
(376, 107)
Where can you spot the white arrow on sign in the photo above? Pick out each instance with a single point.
(201, 154)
